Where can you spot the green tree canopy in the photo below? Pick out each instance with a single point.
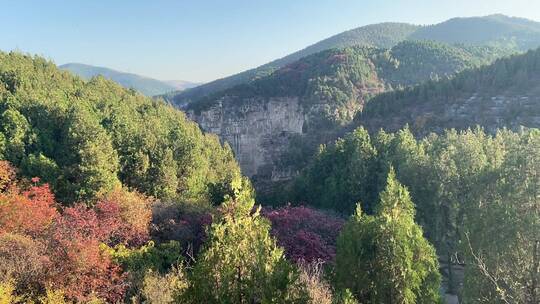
(384, 258)
(241, 262)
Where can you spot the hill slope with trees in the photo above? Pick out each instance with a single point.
(516, 34)
(85, 137)
(274, 123)
(476, 197)
(503, 94)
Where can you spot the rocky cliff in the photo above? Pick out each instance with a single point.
(276, 123)
(258, 131)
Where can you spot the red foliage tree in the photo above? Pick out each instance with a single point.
(127, 217)
(305, 233)
(29, 212)
(80, 266)
(7, 175)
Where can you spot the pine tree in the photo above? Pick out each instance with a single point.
(90, 162)
(384, 258)
(241, 262)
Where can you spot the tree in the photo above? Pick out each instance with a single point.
(384, 258)
(501, 231)
(81, 266)
(241, 262)
(27, 212)
(127, 214)
(91, 163)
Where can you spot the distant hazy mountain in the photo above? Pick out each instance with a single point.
(145, 85)
(182, 84)
(494, 30)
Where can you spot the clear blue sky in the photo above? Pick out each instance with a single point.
(201, 40)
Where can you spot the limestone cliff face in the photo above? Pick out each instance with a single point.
(258, 130)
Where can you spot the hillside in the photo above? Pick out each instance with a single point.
(145, 85)
(275, 122)
(504, 94)
(86, 138)
(381, 35)
(496, 30)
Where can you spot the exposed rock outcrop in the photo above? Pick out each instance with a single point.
(258, 131)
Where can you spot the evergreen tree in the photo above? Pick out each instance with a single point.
(241, 262)
(90, 162)
(384, 258)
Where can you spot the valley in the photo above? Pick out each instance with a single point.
(391, 163)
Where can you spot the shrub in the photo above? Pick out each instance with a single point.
(311, 276)
(163, 289)
(181, 223)
(306, 234)
(23, 262)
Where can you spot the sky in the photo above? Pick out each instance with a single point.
(202, 40)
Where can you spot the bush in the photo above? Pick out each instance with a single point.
(182, 223)
(163, 289)
(306, 234)
(23, 262)
(312, 277)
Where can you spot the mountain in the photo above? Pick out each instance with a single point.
(87, 137)
(145, 85)
(275, 122)
(504, 94)
(498, 30)
(182, 84)
(495, 30)
(378, 35)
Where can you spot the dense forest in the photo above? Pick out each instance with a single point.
(476, 197)
(103, 219)
(415, 177)
(85, 138)
(331, 87)
(501, 94)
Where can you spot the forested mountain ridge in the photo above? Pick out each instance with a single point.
(145, 85)
(504, 94)
(378, 35)
(86, 137)
(302, 104)
(496, 30)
